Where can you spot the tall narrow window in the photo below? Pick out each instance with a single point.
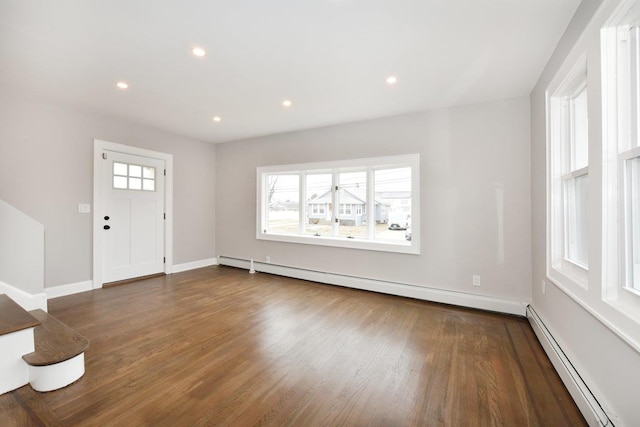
(621, 159)
(628, 151)
(568, 258)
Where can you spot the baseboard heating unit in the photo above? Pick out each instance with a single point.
(582, 395)
(425, 293)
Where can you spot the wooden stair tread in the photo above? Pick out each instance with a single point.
(55, 342)
(14, 318)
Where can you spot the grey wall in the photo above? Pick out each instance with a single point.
(608, 364)
(468, 155)
(46, 169)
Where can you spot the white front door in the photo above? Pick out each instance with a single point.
(133, 216)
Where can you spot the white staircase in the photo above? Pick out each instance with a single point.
(37, 349)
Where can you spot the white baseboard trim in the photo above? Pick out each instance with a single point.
(392, 288)
(585, 400)
(24, 299)
(69, 289)
(87, 285)
(179, 268)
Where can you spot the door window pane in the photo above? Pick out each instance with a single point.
(148, 172)
(135, 184)
(135, 171)
(148, 185)
(283, 203)
(120, 169)
(120, 182)
(319, 195)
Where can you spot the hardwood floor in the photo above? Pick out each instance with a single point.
(218, 346)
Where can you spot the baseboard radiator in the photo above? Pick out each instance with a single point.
(385, 287)
(582, 395)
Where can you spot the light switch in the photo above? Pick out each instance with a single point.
(84, 208)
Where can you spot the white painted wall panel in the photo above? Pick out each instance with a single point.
(474, 197)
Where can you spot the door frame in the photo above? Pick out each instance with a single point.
(98, 196)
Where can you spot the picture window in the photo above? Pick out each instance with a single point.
(296, 203)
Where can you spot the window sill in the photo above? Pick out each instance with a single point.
(628, 303)
(404, 247)
(570, 276)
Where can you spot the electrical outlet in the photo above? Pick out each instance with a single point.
(476, 280)
(268, 259)
(543, 287)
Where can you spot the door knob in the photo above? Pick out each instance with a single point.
(106, 227)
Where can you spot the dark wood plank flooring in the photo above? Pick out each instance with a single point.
(218, 346)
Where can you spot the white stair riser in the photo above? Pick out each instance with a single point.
(14, 372)
(58, 375)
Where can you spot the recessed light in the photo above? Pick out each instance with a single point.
(217, 119)
(122, 85)
(198, 51)
(392, 80)
(286, 103)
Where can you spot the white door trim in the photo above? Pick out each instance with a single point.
(98, 147)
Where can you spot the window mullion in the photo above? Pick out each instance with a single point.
(335, 193)
(264, 217)
(629, 154)
(302, 211)
(565, 135)
(371, 204)
(576, 173)
(566, 219)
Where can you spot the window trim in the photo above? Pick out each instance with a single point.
(368, 164)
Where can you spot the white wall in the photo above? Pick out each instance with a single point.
(21, 250)
(468, 154)
(608, 364)
(46, 169)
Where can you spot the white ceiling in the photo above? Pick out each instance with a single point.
(330, 57)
